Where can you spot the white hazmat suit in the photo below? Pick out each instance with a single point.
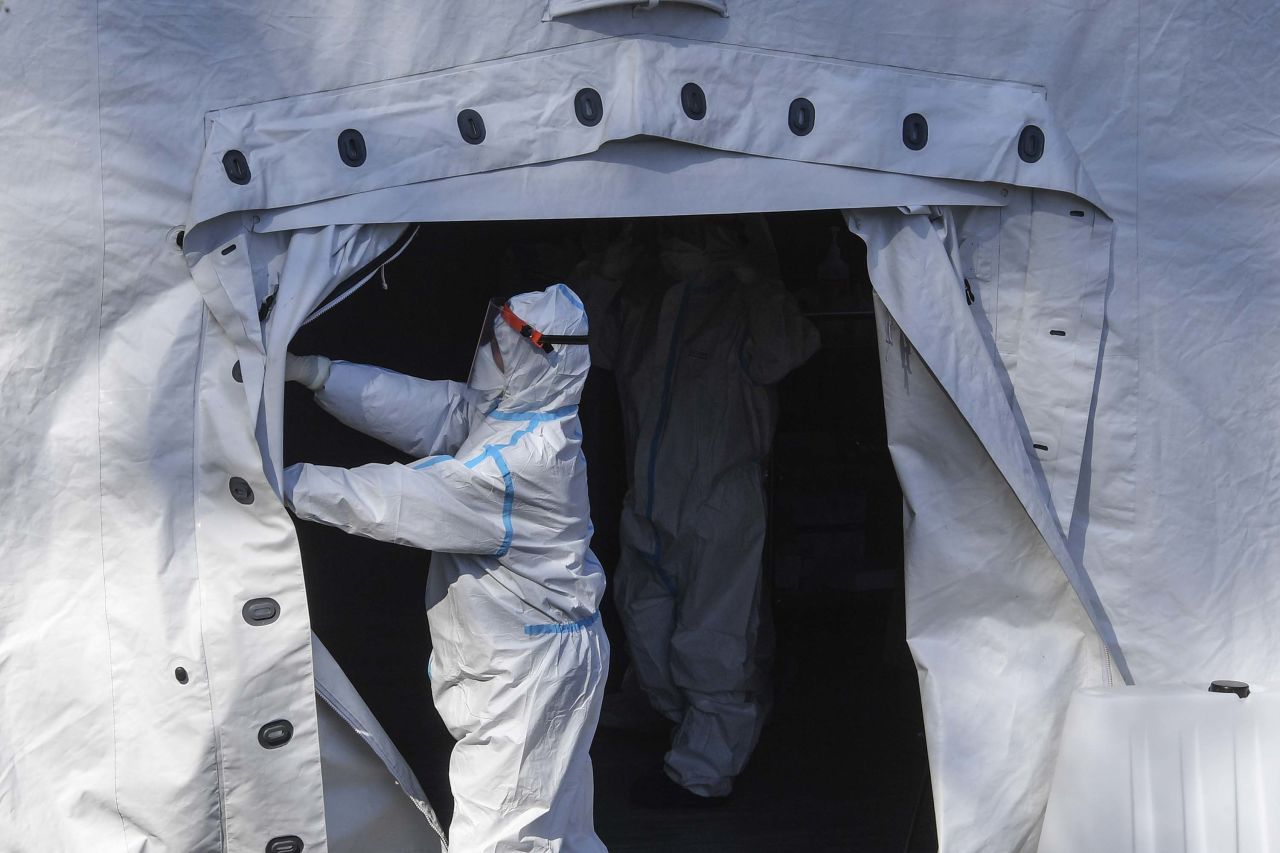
(499, 494)
(695, 364)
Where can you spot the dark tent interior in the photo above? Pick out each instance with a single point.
(841, 763)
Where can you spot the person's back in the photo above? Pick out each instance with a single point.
(699, 379)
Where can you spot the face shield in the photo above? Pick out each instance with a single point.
(487, 374)
(488, 370)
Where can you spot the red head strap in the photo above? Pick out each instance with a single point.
(539, 340)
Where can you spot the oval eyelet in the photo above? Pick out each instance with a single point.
(802, 116)
(693, 101)
(351, 147)
(471, 126)
(589, 107)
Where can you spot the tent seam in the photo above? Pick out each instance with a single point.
(102, 545)
(195, 513)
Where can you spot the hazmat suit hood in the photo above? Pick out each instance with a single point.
(710, 250)
(537, 381)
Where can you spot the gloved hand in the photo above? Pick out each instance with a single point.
(309, 370)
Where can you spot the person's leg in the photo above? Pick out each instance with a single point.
(521, 769)
(714, 659)
(645, 591)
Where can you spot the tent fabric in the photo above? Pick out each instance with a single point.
(261, 291)
(1005, 625)
(263, 288)
(127, 557)
(921, 282)
(410, 127)
(654, 176)
(991, 622)
(1039, 269)
(366, 807)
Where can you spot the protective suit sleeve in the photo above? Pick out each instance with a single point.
(445, 507)
(779, 337)
(418, 416)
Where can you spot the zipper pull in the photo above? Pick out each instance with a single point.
(969, 298)
(264, 311)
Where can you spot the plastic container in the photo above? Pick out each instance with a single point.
(1167, 770)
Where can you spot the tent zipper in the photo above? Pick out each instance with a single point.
(360, 277)
(264, 310)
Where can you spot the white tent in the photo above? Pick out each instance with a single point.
(1084, 450)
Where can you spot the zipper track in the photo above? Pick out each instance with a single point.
(360, 277)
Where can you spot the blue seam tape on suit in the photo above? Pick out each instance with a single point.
(565, 628)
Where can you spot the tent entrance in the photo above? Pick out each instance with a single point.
(991, 261)
(842, 761)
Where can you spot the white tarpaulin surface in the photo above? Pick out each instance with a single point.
(126, 555)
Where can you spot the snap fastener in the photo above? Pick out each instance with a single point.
(471, 126)
(915, 131)
(351, 147)
(285, 844)
(801, 116)
(275, 734)
(694, 101)
(588, 106)
(181, 674)
(240, 490)
(1031, 144)
(236, 165)
(260, 611)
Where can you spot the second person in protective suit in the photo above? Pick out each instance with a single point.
(695, 362)
(499, 495)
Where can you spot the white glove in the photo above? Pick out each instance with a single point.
(309, 370)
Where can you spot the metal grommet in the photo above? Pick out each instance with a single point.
(275, 734)
(588, 106)
(694, 101)
(801, 116)
(260, 611)
(1031, 144)
(915, 131)
(181, 674)
(285, 844)
(351, 147)
(471, 126)
(236, 165)
(236, 373)
(240, 490)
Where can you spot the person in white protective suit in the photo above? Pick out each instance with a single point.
(695, 363)
(499, 495)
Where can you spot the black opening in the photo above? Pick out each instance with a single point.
(841, 765)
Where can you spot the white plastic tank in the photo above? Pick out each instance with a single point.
(1175, 769)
